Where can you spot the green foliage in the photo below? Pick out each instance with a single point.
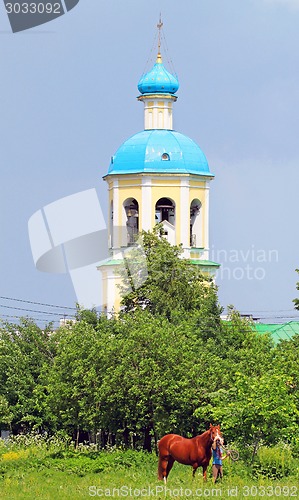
(274, 462)
(286, 362)
(86, 461)
(173, 287)
(296, 301)
(43, 453)
(24, 352)
(89, 316)
(167, 363)
(141, 376)
(6, 415)
(75, 376)
(49, 470)
(257, 408)
(258, 404)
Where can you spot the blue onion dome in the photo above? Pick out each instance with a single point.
(158, 80)
(159, 151)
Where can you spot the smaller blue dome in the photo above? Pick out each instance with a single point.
(158, 80)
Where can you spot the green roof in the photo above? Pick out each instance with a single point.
(279, 331)
(204, 263)
(110, 262)
(264, 328)
(197, 262)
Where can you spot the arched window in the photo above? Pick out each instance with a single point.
(132, 222)
(195, 223)
(165, 157)
(165, 210)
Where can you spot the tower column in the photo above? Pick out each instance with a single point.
(206, 221)
(185, 215)
(116, 223)
(146, 197)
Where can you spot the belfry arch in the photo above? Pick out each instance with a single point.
(131, 209)
(165, 214)
(165, 210)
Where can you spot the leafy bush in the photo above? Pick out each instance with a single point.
(82, 462)
(40, 453)
(274, 462)
(36, 441)
(295, 447)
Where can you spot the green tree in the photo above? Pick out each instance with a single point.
(235, 349)
(286, 359)
(296, 301)
(286, 363)
(89, 316)
(6, 415)
(72, 384)
(24, 350)
(143, 389)
(174, 287)
(258, 408)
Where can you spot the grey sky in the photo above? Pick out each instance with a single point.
(68, 101)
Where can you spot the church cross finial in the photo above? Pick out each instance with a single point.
(159, 26)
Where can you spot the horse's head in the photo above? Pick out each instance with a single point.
(215, 433)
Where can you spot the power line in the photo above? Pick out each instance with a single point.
(167, 52)
(150, 57)
(38, 303)
(265, 311)
(31, 310)
(22, 317)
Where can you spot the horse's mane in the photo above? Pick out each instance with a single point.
(204, 435)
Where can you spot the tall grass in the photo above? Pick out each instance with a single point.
(51, 468)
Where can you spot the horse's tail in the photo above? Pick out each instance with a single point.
(160, 470)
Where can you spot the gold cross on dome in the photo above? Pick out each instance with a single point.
(160, 23)
(159, 26)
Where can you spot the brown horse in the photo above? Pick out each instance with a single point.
(195, 451)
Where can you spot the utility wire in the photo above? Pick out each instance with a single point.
(265, 311)
(22, 317)
(151, 57)
(30, 310)
(168, 56)
(38, 303)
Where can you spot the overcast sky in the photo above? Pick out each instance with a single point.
(68, 101)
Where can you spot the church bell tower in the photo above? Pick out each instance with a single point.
(157, 176)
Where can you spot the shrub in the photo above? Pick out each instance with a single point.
(274, 462)
(295, 447)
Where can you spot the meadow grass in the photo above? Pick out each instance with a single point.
(51, 472)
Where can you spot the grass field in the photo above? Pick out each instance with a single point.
(46, 472)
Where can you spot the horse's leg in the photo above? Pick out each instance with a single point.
(171, 461)
(204, 472)
(195, 466)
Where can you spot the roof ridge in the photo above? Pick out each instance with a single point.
(283, 325)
